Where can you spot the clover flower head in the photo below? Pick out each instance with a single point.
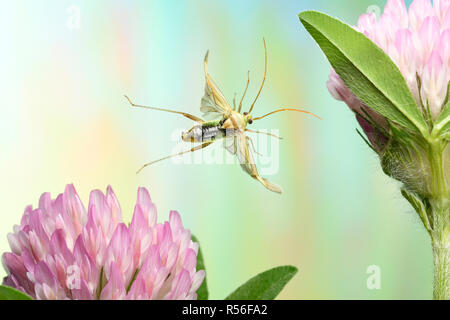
(418, 41)
(62, 251)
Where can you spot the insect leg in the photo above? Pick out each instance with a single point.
(269, 185)
(204, 145)
(187, 115)
(235, 125)
(253, 171)
(268, 134)
(253, 146)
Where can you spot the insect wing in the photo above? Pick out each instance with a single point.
(244, 154)
(213, 104)
(247, 162)
(230, 144)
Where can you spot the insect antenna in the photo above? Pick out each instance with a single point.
(245, 92)
(265, 133)
(287, 109)
(264, 78)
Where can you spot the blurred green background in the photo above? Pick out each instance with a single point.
(64, 120)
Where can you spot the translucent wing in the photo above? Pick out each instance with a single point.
(230, 144)
(247, 162)
(213, 104)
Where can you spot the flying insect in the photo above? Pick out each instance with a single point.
(225, 123)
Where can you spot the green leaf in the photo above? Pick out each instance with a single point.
(8, 293)
(202, 292)
(419, 207)
(264, 286)
(442, 124)
(446, 136)
(365, 69)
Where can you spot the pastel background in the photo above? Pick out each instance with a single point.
(64, 120)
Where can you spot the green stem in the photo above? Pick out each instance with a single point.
(440, 214)
(441, 253)
(439, 187)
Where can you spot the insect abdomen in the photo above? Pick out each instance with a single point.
(212, 133)
(209, 131)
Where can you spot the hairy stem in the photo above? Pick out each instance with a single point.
(440, 213)
(441, 252)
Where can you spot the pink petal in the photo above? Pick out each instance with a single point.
(397, 8)
(190, 261)
(181, 287)
(24, 240)
(418, 12)
(113, 203)
(58, 246)
(75, 213)
(141, 235)
(138, 290)
(387, 28)
(119, 252)
(104, 216)
(45, 203)
(175, 224)
(147, 206)
(172, 256)
(89, 270)
(26, 216)
(444, 47)
(333, 85)
(28, 261)
(13, 264)
(83, 293)
(197, 280)
(39, 244)
(138, 221)
(367, 24)
(445, 24)
(47, 287)
(434, 88)
(14, 243)
(115, 288)
(441, 7)
(427, 38)
(94, 236)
